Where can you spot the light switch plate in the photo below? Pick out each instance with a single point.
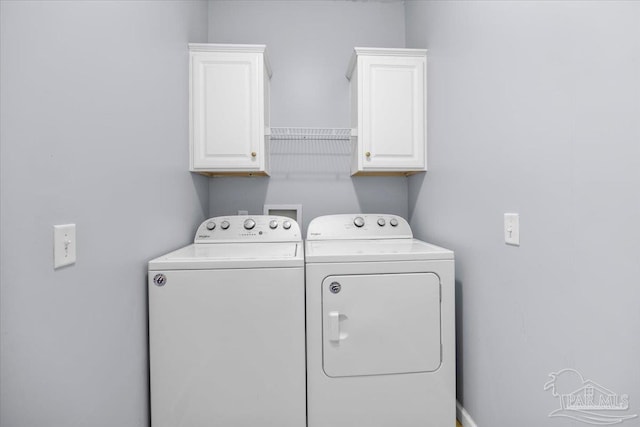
(64, 245)
(512, 229)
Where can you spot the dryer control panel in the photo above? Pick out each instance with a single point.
(359, 226)
(247, 228)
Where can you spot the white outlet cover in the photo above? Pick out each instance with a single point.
(64, 245)
(512, 229)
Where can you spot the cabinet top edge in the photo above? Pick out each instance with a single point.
(381, 51)
(389, 51)
(225, 47)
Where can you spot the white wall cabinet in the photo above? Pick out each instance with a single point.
(388, 111)
(229, 109)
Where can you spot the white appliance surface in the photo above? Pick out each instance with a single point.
(362, 324)
(226, 327)
(362, 226)
(380, 325)
(232, 255)
(373, 250)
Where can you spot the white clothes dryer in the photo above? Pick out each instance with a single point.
(226, 327)
(380, 325)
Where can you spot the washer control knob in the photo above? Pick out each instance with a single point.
(393, 222)
(381, 222)
(211, 225)
(286, 225)
(224, 225)
(273, 224)
(358, 221)
(249, 224)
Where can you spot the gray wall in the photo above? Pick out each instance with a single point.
(309, 43)
(534, 108)
(93, 132)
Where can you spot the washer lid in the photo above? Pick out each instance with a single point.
(373, 250)
(203, 256)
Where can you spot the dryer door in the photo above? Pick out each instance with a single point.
(381, 324)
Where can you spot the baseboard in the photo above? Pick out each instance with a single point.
(464, 417)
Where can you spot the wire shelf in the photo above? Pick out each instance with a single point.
(304, 134)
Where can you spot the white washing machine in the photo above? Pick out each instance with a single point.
(380, 325)
(226, 327)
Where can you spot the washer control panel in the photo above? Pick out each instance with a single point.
(359, 226)
(247, 228)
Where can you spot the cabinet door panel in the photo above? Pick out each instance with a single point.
(391, 93)
(226, 112)
(394, 113)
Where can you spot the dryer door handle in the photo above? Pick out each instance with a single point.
(334, 326)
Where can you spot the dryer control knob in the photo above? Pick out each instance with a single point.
(286, 225)
(393, 222)
(211, 225)
(358, 221)
(224, 225)
(273, 224)
(249, 224)
(381, 222)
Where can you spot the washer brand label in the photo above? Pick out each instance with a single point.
(160, 279)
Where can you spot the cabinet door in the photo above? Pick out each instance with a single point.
(227, 118)
(393, 107)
